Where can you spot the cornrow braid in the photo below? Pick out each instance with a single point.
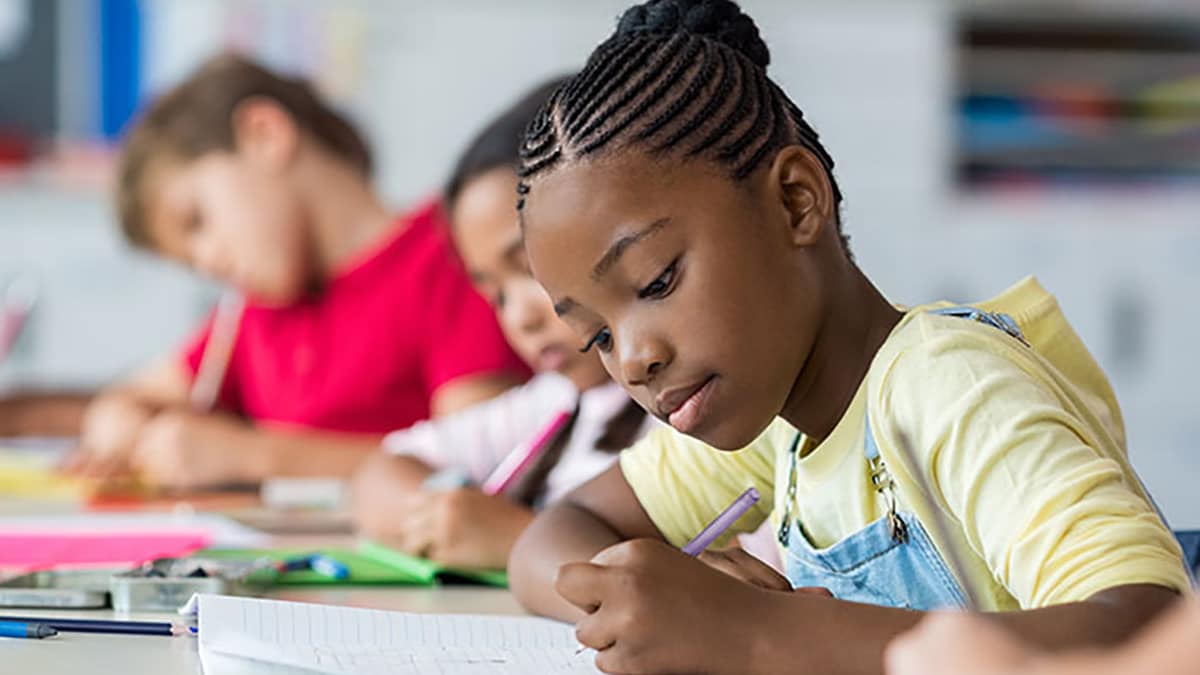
(677, 76)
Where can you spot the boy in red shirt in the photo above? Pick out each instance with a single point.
(355, 323)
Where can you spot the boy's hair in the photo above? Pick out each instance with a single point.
(499, 143)
(196, 117)
(686, 78)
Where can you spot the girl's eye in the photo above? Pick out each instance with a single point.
(602, 341)
(661, 286)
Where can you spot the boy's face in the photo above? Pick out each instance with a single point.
(233, 220)
(686, 282)
(488, 238)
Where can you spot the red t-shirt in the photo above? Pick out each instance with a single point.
(368, 352)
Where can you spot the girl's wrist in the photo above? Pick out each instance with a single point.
(772, 632)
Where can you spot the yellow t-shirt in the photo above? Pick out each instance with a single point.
(1027, 460)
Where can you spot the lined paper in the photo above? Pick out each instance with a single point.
(264, 635)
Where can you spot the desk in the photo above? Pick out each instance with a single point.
(87, 654)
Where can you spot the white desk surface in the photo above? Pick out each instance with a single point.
(88, 654)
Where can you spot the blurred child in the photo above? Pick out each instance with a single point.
(684, 218)
(356, 321)
(465, 527)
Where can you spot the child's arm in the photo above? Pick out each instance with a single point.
(183, 450)
(596, 515)
(43, 413)
(464, 392)
(647, 607)
(954, 643)
(113, 422)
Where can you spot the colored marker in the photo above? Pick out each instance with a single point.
(722, 522)
(22, 629)
(294, 564)
(520, 459)
(328, 567)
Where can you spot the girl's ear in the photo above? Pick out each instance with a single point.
(265, 133)
(804, 193)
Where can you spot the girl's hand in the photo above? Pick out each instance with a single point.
(183, 450)
(739, 564)
(459, 528)
(951, 643)
(653, 609)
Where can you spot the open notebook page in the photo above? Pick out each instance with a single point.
(337, 640)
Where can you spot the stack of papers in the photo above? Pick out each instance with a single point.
(251, 636)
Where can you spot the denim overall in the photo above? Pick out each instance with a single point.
(892, 561)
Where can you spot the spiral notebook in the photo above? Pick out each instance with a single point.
(245, 636)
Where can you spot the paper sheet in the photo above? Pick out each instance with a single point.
(263, 635)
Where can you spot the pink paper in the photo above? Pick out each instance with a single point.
(29, 551)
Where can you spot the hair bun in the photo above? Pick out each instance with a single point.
(720, 20)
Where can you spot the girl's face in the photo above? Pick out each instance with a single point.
(234, 219)
(691, 287)
(489, 241)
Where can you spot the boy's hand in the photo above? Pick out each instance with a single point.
(459, 528)
(951, 643)
(183, 450)
(653, 609)
(111, 427)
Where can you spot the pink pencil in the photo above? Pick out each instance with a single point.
(523, 456)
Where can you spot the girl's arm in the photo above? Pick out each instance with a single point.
(1107, 618)
(466, 391)
(596, 515)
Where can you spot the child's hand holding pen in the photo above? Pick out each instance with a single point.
(653, 609)
(180, 449)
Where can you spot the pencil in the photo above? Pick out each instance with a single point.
(206, 387)
(103, 626)
(522, 457)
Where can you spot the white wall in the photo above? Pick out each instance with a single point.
(874, 76)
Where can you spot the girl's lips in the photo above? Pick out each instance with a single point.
(551, 358)
(688, 413)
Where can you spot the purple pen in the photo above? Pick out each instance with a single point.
(717, 527)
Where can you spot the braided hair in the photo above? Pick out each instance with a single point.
(681, 77)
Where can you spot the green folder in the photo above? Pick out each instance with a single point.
(371, 564)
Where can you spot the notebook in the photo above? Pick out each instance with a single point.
(371, 564)
(253, 636)
(30, 543)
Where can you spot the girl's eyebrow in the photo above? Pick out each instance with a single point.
(623, 244)
(564, 307)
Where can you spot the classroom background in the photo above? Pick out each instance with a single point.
(977, 142)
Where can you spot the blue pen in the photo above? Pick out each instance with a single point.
(296, 564)
(328, 567)
(21, 629)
